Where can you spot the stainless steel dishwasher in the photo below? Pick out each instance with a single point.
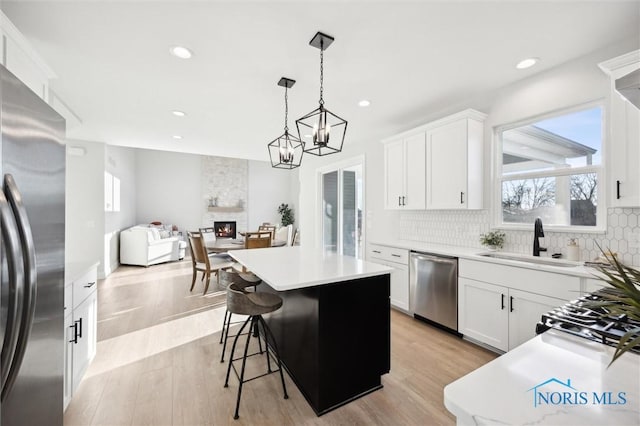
(433, 288)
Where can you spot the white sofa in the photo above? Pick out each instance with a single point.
(144, 246)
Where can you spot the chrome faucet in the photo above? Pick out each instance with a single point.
(537, 233)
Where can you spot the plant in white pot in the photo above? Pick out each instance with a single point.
(493, 240)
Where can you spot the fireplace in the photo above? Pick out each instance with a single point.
(225, 229)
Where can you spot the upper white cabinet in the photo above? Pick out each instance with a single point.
(437, 165)
(623, 136)
(454, 163)
(405, 165)
(19, 57)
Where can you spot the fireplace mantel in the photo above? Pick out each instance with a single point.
(225, 209)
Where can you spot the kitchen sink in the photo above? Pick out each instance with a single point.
(531, 259)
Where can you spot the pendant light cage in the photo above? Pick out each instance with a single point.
(285, 151)
(321, 130)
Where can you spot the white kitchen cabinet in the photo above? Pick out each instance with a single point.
(398, 259)
(437, 165)
(624, 136)
(405, 168)
(454, 165)
(525, 311)
(482, 312)
(81, 320)
(500, 305)
(23, 61)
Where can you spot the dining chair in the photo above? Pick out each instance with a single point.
(296, 237)
(259, 239)
(270, 228)
(209, 235)
(203, 263)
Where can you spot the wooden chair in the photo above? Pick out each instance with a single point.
(259, 239)
(203, 263)
(270, 228)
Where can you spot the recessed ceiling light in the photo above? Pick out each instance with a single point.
(181, 52)
(364, 103)
(177, 137)
(526, 63)
(178, 113)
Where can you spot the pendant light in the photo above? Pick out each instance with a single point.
(325, 129)
(286, 150)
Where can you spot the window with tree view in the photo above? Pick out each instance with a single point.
(551, 169)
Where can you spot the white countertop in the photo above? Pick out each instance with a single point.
(74, 270)
(289, 268)
(472, 253)
(500, 392)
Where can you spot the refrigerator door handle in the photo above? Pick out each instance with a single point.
(15, 291)
(30, 279)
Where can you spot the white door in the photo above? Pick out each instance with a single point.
(525, 310)
(415, 172)
(447, 166)
(81, 356)
(483, 313)
(394, 174)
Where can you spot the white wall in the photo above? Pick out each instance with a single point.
(268, 188)
(121, 163)
(84, 229)
(168, 188)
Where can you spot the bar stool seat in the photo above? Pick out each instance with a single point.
(243, 281)
(239, 301)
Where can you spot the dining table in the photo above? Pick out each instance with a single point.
(222, 245)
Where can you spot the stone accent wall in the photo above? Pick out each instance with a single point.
(227, 180)
(463, 228)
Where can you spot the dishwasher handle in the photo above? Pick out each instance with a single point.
(432, 258)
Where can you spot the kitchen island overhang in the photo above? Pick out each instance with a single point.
(333, 330)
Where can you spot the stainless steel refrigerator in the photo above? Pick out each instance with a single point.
(32, 166)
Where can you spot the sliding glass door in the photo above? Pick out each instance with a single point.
(342, 210)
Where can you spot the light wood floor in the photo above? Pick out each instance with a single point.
(157, 363)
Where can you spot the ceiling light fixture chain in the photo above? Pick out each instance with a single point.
(321, 72)
(286, 109)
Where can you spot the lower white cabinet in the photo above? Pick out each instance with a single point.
(499, 316)
(80, 323)
(398, 259)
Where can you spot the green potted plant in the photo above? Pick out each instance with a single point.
(286, 215)
(622, 299)
(493, 239)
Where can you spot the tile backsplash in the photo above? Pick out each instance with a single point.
(463, 228)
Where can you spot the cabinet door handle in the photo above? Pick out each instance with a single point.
(617, 190)
(511, 304)
(75, 333)
(90, 285)
(502, 302)
(376, 251)
(399, 200)
(79, 322)
(403, 201)
(395, 255)
(461, 197)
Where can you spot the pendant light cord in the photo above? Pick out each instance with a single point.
(321, 70)
(286, 109)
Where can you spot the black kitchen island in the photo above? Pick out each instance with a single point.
(333, 330)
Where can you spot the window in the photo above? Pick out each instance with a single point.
(111, 193)
(342, 205)
(551, 168)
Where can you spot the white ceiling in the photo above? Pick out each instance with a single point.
(409, 58)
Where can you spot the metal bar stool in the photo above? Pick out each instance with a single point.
(255, 305)
(243, 281)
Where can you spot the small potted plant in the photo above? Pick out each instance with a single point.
(286, 215)
(493, 239)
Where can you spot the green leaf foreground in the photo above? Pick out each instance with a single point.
(622, 299)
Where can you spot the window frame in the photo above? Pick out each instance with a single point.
(498, 177)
